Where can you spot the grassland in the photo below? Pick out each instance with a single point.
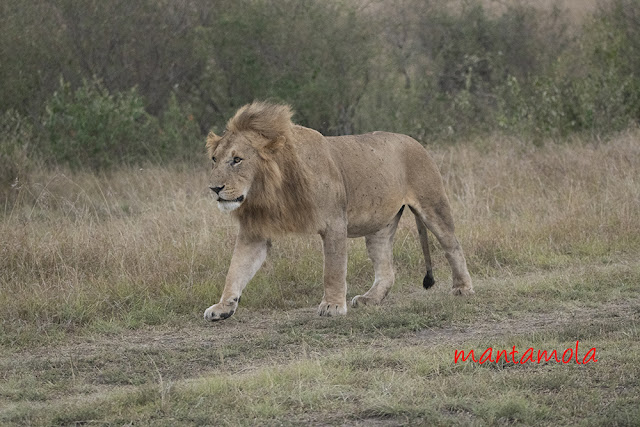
(104, 278)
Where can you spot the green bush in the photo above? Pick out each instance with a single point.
(593, 86)
(458, 66)
(16, 138)
(608, 88)
(314, 56)
(180, 136)
(92, 128)
(421, 67)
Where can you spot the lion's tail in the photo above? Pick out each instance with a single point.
(428, 280)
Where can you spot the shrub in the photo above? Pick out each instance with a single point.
(180, 136)
(459, 65)
(91, 128)
(315, 57)
(593, 87)
(16, 138)
(429, 68)
(609, 85)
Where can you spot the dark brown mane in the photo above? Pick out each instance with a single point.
(280, 200)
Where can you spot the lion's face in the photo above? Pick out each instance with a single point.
(234, 165)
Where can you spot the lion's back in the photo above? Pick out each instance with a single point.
(377, 155)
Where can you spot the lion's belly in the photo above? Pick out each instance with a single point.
(365, 223)
(372, 204)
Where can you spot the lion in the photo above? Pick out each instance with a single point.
(276, 177)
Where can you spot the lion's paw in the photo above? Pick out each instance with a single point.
(360, 300)
(220, 311)
(463, 291)
(330, 309)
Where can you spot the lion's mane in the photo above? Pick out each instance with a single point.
(279, 200)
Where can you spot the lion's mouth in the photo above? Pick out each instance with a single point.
(239, 199)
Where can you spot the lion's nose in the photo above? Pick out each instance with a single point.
(216, 190)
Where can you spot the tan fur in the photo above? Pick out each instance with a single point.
(276, 177)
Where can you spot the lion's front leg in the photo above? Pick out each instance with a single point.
(248, 256)
(334, 244)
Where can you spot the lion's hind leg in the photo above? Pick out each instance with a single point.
(380, 250)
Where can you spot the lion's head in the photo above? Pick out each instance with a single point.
(256, 173)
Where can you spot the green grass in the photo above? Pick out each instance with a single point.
(394, 362)
(389, 379)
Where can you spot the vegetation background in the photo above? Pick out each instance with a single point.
(110, 248)
(121, 81)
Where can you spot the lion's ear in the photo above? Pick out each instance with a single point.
(276, 144)
(212, 143)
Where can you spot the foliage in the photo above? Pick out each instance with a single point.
(90, 127)
(609, 86)
(425, 68)
(457, 64)
(313, 54)
(180, 136)
(592, 87)
(16, 136)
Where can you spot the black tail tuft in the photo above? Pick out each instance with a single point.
(428, 280)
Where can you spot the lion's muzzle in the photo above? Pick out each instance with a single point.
(227, 204)
(221, 197)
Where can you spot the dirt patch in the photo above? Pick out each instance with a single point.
(531, 323)
(198, 347)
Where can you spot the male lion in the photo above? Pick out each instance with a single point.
(276, 177)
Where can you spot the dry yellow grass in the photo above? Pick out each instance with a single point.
(538, 205)
(143, 245)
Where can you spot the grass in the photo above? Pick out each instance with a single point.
(366, 377)
(103, 280)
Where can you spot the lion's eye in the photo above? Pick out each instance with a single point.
(236, 160)
(213, 159)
